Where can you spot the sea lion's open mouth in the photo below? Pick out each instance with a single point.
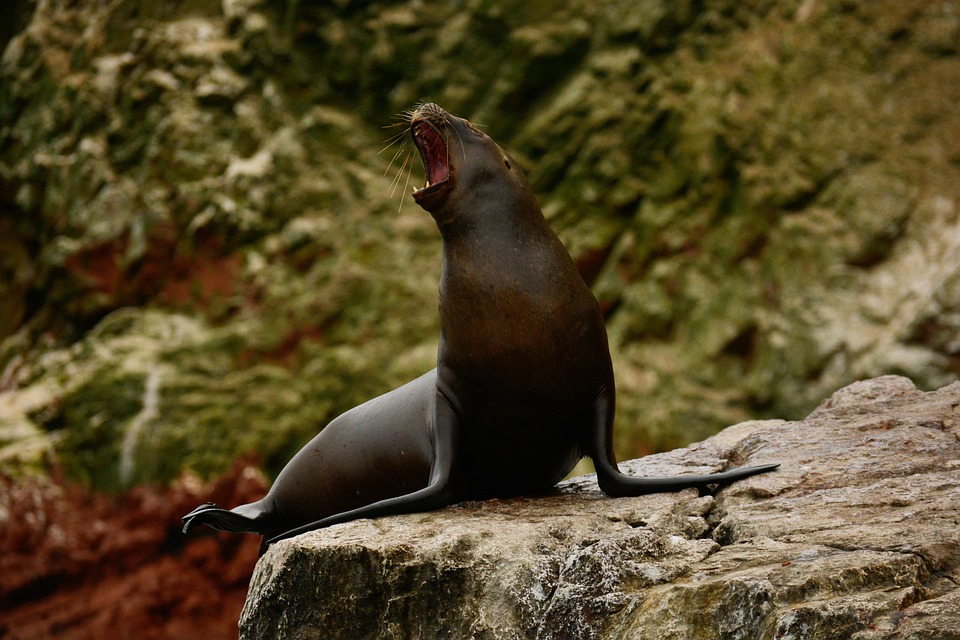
(433, 153)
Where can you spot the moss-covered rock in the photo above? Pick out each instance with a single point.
(203, 249)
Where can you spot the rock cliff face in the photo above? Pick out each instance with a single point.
(196, 232)
(856, 536)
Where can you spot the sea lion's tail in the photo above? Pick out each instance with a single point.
(220, 519)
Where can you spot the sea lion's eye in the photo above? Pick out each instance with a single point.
(506, 162)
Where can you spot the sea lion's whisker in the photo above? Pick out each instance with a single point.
(398, 134)
(403, 192)
(462, 149)
(405, 116)
(394, 140)
(396, 155)
(396, 181)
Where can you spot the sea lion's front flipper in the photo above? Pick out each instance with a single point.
(439, 492)
(617, 484)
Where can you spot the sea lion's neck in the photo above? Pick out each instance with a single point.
(504, 255)
(490, 217)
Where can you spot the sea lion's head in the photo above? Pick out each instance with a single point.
(465, 169)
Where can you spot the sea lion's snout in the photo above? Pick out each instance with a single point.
(429, 111)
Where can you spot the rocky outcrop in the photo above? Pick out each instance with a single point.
(856, 536)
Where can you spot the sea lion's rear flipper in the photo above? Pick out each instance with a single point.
(617, 484)
(439, 492)
(220, 519)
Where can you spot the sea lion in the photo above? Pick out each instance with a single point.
(523, 387)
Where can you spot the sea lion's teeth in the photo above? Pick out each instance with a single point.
(428, 185)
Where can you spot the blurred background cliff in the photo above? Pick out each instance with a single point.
(206, 254)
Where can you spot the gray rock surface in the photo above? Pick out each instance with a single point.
(856, 536)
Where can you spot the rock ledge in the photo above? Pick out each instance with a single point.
(856, 536)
